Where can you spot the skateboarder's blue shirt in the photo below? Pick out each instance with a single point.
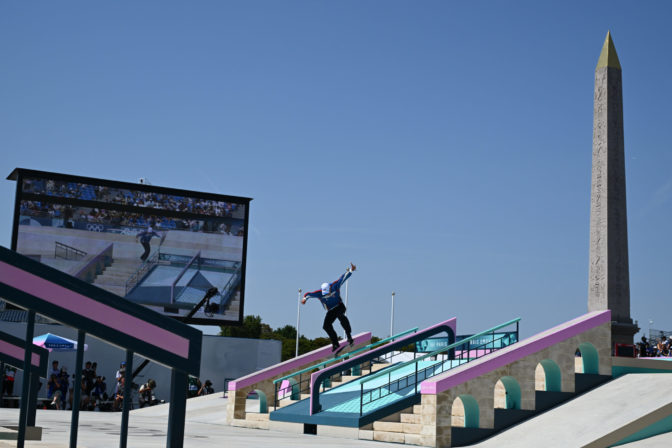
(333, 297)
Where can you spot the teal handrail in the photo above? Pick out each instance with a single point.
(347, 355)
(389, 370)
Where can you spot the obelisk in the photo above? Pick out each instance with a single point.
(609, 276)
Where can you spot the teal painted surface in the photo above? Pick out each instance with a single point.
(591, 361)
(660, 427)
(296, 389)
(470, 411)
(353, 404)
(512, 392)
(617, 371)
(553, 375)
(263, 407)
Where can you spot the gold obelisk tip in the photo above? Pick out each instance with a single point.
(608, 57)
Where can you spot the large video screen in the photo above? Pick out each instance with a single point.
(159, 247)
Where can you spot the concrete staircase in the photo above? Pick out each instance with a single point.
(114, 277)
(402, 427)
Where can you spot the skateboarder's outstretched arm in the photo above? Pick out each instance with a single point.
(318, 294)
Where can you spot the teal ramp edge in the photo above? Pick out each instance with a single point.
(660, 427)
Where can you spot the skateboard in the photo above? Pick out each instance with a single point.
(341, 350)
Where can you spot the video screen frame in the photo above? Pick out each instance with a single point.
(117, 209)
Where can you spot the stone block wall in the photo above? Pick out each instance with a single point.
(440, 411)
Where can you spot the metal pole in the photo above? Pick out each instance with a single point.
(347, 284)
(392, 317)
(177, 410)
(25, 387)
(298, 322)
(74, 422)
(2, 389)
(126, 404)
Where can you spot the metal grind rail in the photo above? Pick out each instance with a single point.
(420, 374)
(308, 370)
(147, 266)
(67, 252)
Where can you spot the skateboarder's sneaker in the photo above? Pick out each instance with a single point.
(350, 341)
(338, 350)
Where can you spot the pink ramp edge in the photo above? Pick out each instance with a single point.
(96, 311)
(514, 352)
(18, 352)
(452, 323)
(291, 364)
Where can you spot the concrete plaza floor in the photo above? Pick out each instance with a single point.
(204, 428)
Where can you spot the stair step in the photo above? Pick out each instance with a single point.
(411, 418)
(406, 428)
(393, 437)
(417, 409)
(347, 378)
(253, 416)
(377, 367)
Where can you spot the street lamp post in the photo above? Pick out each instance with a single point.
(298, 322)
(392, 317)
(347, 283)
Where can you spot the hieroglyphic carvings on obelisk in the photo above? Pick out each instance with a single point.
(609, 277)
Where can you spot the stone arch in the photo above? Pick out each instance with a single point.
(263, 404)
(548, 376)
(507, 393)
(589, 361)
(465, 412)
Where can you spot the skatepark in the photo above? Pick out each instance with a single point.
(567, 385)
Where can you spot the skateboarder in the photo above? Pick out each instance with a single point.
(330, 296)
(145, 236)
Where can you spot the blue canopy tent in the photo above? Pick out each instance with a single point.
(53, 342)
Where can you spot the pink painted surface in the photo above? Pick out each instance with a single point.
(91, 309)
(472, 353)
(292, 364)
(514, 352)
(452, 323)
(18, 352)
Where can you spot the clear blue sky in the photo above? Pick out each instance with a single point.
(444, 147)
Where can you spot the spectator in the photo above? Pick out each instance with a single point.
(662, 347)
(206, 389)
(63, 379)
(54, 392)
(644, 347)
(54, 368)
(99, 391)
(146, 394)
(119, 394)
(8, 381)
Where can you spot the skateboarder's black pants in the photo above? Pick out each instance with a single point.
(147, 248)
(337, 312)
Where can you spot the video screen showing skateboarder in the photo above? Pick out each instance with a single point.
(330, 296)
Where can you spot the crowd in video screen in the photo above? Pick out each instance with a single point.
(133, 198)
(100, 219)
